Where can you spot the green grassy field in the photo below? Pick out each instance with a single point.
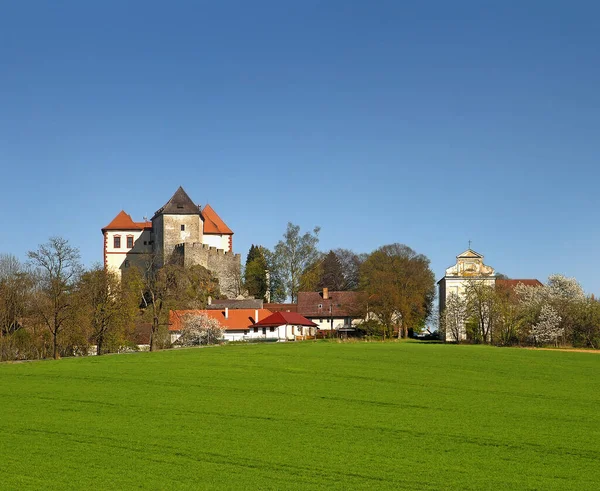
(304, 415)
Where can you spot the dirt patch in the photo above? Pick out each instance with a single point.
(574, 350)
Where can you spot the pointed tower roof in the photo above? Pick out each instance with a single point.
(179, 204)
(123, 221)
(213, 223)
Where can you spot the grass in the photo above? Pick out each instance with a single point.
(304, 416)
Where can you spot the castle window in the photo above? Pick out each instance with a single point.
(117, 242)
(130, 241)
(182, 228)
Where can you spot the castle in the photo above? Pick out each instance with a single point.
(180, 232)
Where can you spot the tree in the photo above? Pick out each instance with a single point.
(16, 285)
(310, 280)
(400, 287)
(107, 306)
(200, 329)
(482, 309)
(332, 275)
(560, 294)
(587, 328)
(547, 329)
(59, 269)
(291, 257)
(454, 316)
(337, 270)
(350, 264)
(170, 287)
(255, 274)
(16, 292)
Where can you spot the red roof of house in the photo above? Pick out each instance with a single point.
(343, 304)
(237, 319)
(213, 223)
(123, 221)
(514, 283)
(285, 318)
(281, 307)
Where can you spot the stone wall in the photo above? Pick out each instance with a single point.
(224, 265)
(169, 234)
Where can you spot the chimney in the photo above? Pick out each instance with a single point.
(255, 316)
(226, 313)
(325, 293)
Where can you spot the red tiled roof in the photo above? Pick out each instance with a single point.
(213, 223)
(237, 319)
(285, 318)
(281, 307)
(123, 221)
(509, 283)
(343, 304)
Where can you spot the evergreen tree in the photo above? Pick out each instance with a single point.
(332, 273)
(255, 274)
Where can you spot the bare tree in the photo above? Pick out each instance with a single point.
(106, 305)
(454, 317)
(59, 269)
(482, 308)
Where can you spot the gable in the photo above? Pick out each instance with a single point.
(469, 254)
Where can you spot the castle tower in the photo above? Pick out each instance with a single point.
(180, 231)
(179, 221)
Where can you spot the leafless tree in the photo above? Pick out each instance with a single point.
(59, 268)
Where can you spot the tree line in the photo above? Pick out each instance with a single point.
(397, 283)
(51, 306)
(555, 313)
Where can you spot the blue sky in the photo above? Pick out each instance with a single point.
(429, 124)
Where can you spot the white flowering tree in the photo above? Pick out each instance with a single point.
(551, 310)
(547, 329)
(200, 329)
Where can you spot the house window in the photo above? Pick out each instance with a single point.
(272, 329)
(130, 242)
(126, 263)
(321, 321)
(320, 305)
(256, 329)
(117, 242)
(182, 228)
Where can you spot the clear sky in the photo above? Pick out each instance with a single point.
(426, 123)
